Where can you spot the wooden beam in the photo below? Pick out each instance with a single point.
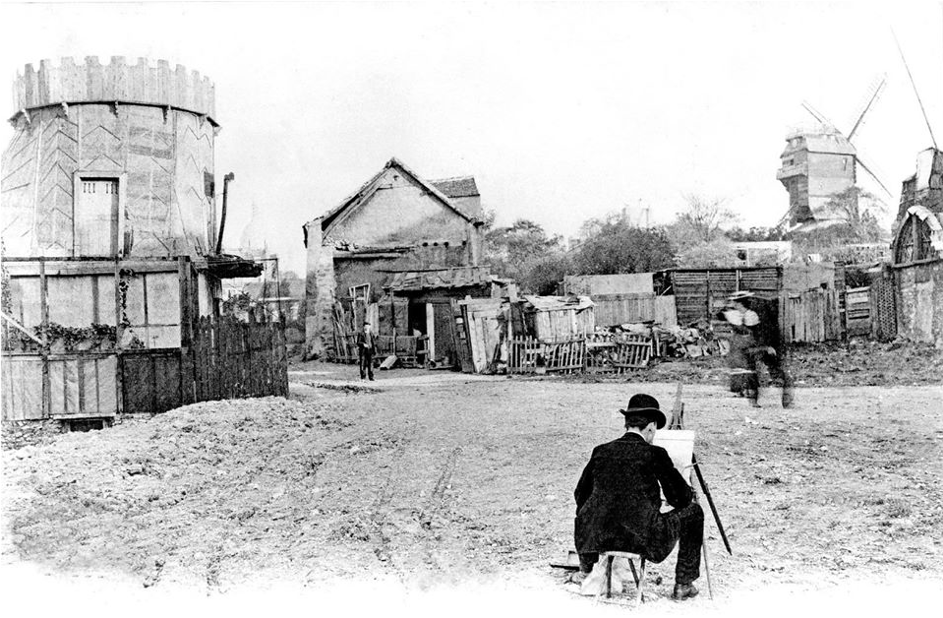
(21, 328)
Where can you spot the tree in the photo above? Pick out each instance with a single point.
(618, 247)
(705, 216)
(853, 220)
(512, 251)
(718, 253)
(857, 209)
(545, 273)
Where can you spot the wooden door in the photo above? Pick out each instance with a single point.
(96, 218)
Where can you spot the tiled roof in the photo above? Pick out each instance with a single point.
(460, 186)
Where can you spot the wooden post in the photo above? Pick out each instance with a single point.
(430, 333)
(44, 349)
(185, 366)
(119, 333)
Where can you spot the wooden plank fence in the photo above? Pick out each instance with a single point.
(811, 316)
(233, 359)
(609, 352)
(858, 311)
(531, 355)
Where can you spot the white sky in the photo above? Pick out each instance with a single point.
(562, 111)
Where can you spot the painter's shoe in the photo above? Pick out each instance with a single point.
(684, 591)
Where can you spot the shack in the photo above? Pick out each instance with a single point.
(503, 334)
(701, 292)
(624, 299)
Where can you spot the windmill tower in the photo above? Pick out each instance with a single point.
(818, 163)
(110, 159)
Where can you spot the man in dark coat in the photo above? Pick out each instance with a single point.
(756, 339)
(366, 347)
(618, 501)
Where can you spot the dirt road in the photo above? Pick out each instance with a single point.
(431, 488)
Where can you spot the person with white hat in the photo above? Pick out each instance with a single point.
(756, 339)
(618, 500)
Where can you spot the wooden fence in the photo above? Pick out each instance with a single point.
(618, 353)
(226, 359)
(858, 311)
(530, 355)
(233, 359)
(811, 316)
(614, 354)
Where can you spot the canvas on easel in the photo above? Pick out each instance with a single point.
(680, 446)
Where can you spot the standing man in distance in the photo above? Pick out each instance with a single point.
(618, 500)
(366, 348)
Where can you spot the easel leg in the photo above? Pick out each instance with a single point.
(707, 569)
(609, 577)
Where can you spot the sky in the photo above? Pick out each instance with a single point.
(562, 111)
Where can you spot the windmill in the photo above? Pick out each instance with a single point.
(819, 163)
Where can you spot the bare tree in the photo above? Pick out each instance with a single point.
(705, 216)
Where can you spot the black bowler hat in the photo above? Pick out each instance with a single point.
(646, 405)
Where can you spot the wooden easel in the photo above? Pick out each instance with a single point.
(676, 423)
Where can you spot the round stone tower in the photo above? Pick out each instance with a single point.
(110, 160)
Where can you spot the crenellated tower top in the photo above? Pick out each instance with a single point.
(117, 82)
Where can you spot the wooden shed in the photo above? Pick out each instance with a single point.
(554, 318)
(701, 292)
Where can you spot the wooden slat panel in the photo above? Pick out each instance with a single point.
(22, 388)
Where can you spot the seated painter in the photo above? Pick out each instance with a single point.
(618, 502)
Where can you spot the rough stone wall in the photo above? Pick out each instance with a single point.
(18, 434)
(920, 303)
(319, 291)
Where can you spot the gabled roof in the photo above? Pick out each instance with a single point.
(363, 194)
(460, 186)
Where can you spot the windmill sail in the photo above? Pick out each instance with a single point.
(871, 98)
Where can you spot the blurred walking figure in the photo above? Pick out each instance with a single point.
(366, 348)
(756, 339)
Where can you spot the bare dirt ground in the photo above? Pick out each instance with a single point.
(432, 491)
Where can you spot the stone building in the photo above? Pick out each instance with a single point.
(396, 223)
(918, 252)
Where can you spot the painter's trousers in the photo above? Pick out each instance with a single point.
(682, 526)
